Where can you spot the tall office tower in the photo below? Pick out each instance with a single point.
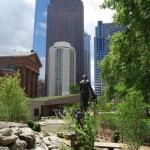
(40, 23)
(101, 49)
(61, 68)
(65, 22)
(87, 48)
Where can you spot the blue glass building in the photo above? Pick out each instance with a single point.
(87, 48)
(101, 49)
(40, 25)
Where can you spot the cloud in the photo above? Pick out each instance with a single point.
(16, 25)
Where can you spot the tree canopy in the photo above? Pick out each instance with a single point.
(128, 63)
(13, 101)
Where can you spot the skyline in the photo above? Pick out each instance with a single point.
(16, 29)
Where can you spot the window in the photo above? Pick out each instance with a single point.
(36, 111)
(11, 67)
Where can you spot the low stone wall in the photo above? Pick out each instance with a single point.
(36, 107)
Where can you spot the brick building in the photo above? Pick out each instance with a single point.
(28, 64)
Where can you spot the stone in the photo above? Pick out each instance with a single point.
(52, 147)
(47, 141)
(4, 148)
(28, 136)
(6, 132)
(17, 131)
(30, 140)
(13, 146)
(6, 140)
(21, 145)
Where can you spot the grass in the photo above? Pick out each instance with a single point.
(51, 97)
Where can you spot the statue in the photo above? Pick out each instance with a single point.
(85, 89)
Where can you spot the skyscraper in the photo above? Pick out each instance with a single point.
(65, 22)
(61, 69)
(40, 23)
(87, 48)
(101, 49)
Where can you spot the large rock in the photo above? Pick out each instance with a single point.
(28, 136)
(17, 131)
(21, 145)
(13, 146)
(6, 140)
(6, 132)
(4, 148)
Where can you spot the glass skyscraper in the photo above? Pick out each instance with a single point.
(101, 49)
(40, 24)
(87, 60)
(65, 22)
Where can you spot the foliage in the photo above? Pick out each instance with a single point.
(34, 126)
(87, 133)
(30, 123)
(116, 136)
(74, 89)
(13, 102)
(37, 127)
(131, 113)
(108, 120)
(128, 63)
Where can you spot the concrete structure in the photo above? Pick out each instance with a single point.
(101, 49)
(65, 22)
(87, 60)
(40, 23)
(61, 69)
(44, 107)
(28, 65)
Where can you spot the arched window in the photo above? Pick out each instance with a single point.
(11, 67)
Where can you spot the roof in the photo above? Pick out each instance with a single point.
(15, 54)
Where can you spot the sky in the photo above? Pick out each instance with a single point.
(17, 22)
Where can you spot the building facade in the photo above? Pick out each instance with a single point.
(101, 49)
(61, 68)
(40, 23)
(87, 60)
(28, 65)
(65, 22)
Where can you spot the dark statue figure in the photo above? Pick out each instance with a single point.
(85, 89)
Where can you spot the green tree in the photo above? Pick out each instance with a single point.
(131, 114)
(74, 89)
(13, 102)
(128, 63)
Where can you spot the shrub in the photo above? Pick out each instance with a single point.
(30, 123)
(37, 127)
(116, 136)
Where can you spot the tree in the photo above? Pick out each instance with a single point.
(131, 114)
(13, 102)
(128, 63)
(74, 89)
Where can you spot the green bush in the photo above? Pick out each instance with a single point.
(37, 127)
(116, 136)
(30, 123)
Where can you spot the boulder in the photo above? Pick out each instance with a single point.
(13, 146)
(4, 148)
(6, 140)
(6, 132)
(30, 140)
(21, 145)
(28, 136)
(17, 131)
